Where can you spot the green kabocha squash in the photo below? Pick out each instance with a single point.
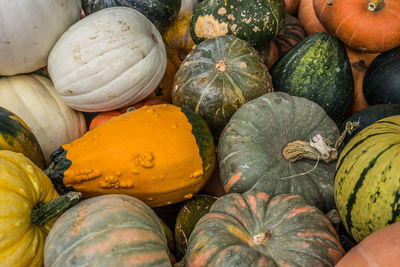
(318, 68)
(160, 12)
(16, 136)
(111, 230)
(257, 229)
(160, 154)
(255, 21)
(217, 77)
(190, 213)
(369, 115)
(381, 84)
(29, 205)
(367, 185)
(259, 146)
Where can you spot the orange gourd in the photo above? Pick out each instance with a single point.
(359, 63)
(292, 6)
(308, 19)
(107, 115)
(365, 25)
(177, 39)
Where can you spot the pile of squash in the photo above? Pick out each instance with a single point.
(199, 133)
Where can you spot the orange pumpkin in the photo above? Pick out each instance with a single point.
(308, 19)
(381, 248)
(177, 38)
(108, 115)
(292, 6)
(365, 25)
(359, 63)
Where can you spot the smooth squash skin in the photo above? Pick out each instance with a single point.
(16, 136)
(159, 154)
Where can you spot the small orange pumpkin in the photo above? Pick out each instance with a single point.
(308, 19)
(365, 25)
(177, 39)
(292, 6)
(108, 115)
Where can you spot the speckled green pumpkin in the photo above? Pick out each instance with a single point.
(16, 136)
(250, 149)
(217, 77)
(318, 69)
(257, 229)
(161, 12)
(190, 213)
(256, 21)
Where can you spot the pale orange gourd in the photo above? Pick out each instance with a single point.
(158, 154)
(308, 19)
(292, 6)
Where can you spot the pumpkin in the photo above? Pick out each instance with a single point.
(291, 34)
(160, 12)
(318, 69)
(130, 161)
(219, 76)
(369, 26)
(369, 115)
(359, 63)
(34, 99)
(190, 213)
(292, 6)
(380, 248)
(367, 186)
(106, 116)
(28, 31)
(29, 204)
(255, 21)
(308, 19)
(111, 59)
(257, 229)
(16, 136)
(381, 83)
(251, 151)
(131, 232)
(188, 5)
(177, 39)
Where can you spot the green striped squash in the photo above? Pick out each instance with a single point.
(367, 180)
(109, 230)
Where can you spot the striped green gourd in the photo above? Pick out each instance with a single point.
(367, 180)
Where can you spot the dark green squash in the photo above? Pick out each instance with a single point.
(251, 149)
(381, 84)
(217, 77)
(318, 69)
(256, 21)
(16, 136)
(161, 12)
(190, 213)
(369, 115)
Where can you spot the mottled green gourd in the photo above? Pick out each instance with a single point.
(217, 77)
(318, 69)
(16, 136)
(160, 12)
(256, 21)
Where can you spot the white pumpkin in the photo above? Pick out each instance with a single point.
(29, 29)
(34, 99)
(110, 59)
(189, 4)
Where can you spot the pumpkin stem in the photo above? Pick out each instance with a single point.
(329, 2)
(317, 148)
(260, 239)
(43, 212)
(221, 66)
(375, 5)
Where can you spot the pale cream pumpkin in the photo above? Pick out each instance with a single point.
(113, 58)
(34, 99)
(29, 29)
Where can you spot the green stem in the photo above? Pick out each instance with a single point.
(43, 212)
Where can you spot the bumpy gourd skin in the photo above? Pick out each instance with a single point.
(22, 186)
(158, 154)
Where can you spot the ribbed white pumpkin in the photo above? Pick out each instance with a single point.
(189, 4)
(29, 29)
(110, 59)
(34, 99)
